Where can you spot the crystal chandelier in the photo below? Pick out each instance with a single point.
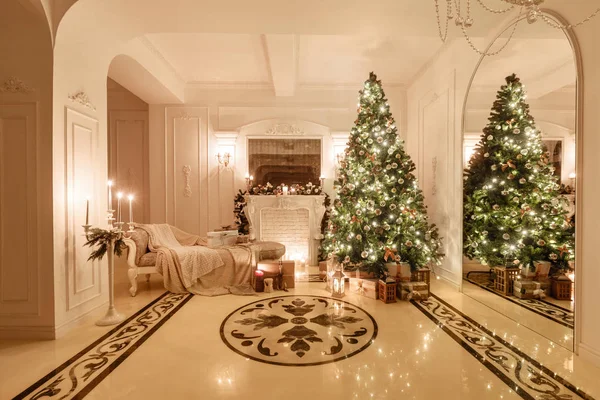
(462, 18)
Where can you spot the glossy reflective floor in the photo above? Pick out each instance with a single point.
(553, 323)
(414, 355)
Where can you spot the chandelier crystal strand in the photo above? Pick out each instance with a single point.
(556, 25)
(483, 53)
(444, 35)
(493, 11)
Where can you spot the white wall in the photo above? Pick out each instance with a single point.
(26, 273)
(212, 121)
(452, 69)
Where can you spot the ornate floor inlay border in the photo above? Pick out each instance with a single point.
(527, 377)
(76, 377)
(548, 310)
(298, 330)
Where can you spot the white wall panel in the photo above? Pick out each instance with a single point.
(128, 159)
(19, 268)
(186, 179)
(81, 140)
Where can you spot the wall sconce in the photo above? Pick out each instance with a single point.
(224, 159)
(249, 180)
(572, 177)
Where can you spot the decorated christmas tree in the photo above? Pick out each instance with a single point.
(378, 214)
(513, 212)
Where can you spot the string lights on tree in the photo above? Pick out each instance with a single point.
(379, 215)
(513, 212)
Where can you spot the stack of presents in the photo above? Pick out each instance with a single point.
(526, 283)
(401, 283)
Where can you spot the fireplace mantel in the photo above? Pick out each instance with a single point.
(314, 204)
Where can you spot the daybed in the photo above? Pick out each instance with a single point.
(142, 261)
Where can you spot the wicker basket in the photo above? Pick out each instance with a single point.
(504, 278)
(387, 291)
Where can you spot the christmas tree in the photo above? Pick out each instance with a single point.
(378, 215)
(513, 212)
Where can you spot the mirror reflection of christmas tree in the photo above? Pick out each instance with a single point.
(513, 212)
(379, 215)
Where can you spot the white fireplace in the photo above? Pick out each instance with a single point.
(294, 221)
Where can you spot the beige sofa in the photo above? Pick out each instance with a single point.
(141, 261)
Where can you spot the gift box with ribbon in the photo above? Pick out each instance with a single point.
(364, 287)
(413, 291)
(526, 289)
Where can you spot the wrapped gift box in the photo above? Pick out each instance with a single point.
(222, 238)
(526, 289)
(323, 266)
(288, 281)
(413, 291)
(273, 266)
(403, 273)
(364, 287)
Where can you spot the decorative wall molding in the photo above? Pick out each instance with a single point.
(187, 191)
(82, 98)
(285, 130)
(434, 163)
(150, 46)
(15, 85)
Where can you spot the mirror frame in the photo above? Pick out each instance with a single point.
(577, 58)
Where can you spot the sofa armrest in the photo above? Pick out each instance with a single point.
(131, 252)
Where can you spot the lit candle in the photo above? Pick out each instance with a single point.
(251, 178)
(247, 176)
(119, 196)
(87, 211)
(285, 190)
(110, 183)
(130, 197)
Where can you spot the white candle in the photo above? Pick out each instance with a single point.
(87, 211)
(285, 190)
(251, 178)
(130, 197)
(247, 176)
(110, 183)
(119, 196)
(322, 179)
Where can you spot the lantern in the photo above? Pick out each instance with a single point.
(339, 284)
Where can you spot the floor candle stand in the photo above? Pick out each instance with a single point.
(112, 316)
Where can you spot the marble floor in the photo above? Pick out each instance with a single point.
(183, 346)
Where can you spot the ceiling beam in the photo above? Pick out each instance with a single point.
(281, 52)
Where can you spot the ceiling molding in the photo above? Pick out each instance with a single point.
(230, 85)
(344, 86)
(150, 46)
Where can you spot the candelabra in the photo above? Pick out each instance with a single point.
(112, 316)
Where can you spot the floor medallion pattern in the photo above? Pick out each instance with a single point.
(78, 376)
(527, 377)
(548, 310)
(298, 330)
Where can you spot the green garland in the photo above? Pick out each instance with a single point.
(239, 202)
(102, 238)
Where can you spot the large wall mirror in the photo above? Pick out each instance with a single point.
(520, 180)
(290, 161)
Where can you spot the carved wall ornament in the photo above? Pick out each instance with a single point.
(185, 116)
(15, 85)
(285, 130)
(187, 191)
(82, 98)
(434, 163)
